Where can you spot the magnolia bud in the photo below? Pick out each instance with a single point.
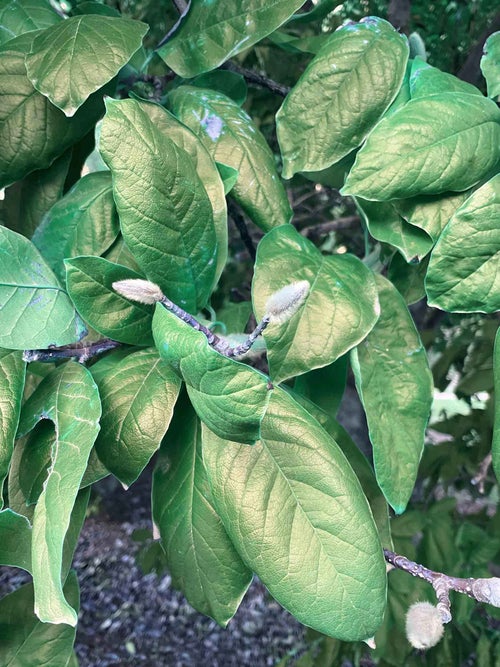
(284, 303)
(487, 590)
(424, 627)
(139, 290)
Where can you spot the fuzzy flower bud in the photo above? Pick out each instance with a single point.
(139, 290)
(487, 590)
(284, 303)
(424, 627)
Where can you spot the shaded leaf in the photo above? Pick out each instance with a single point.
(69, 398)
(15, 546)
(463, 269)
(90, 282)
(165, 213)
(75, 58)
(338, 312)
(431, 145)
(226, 82)
(138, 396)
(229, 397)
(324, 386)
(341, 96)
(430, 212)
(211, 33)
(83, 222)
(12, 374)
(200, 556)
(20, 16)
(392, 356)
(233, 139)
(408, 278)
(490, 64)
(35, 311)
(299, 519)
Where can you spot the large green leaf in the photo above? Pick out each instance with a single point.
(341, 96)
(201, 558)
(90, 281)
(70, 399)
(138, 397)
(386, 224)
(33, 132)
(229, 397)
(36, 312)
(15, 545)
(212, 32)
(28, 200)
(233, 139)
(12, 373)
(165, 213)
(339, 311)
(83, 222)
(206, 169)
(496, 431)
(392, 357)
(430, 212)
(73, 59)
(463, 271)
(431, 145)
(490, 64)
(20, 16)
(24, 640)
(427, 80)
(297, 515)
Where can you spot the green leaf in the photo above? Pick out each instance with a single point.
(165, 213)
(73, 59)
(223, 81)
(138, 397)
(200, 556)
(213, 32)
(463, 270)
(69, 398)
(233, 139)
(341, 96)
(430, 212)
(299, 519)
(15, 546)
(385, 224)
(324, 386)
(340, 309)
(33, 132)
(12, 374)
(490, 64)
(427, 80)
(83, 222)
(28, 200)
(429, 146)
(206, 169)
(229, 397)
(20, 16)
(408, 278)
(495, 449)
(27, 642)
(229, 176)
(36, 312)
(90, 282)
(392, 356)
(36, 460)
(320, 10)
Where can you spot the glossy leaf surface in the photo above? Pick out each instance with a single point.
(12, 373)
(90, 281)
(229, 397)
(213, 32)
(463, 270)
(36, 312)
(20, 16)
(69, 398)
(73, 59)
(299, 519)
(83, 222)
(165, 213)
(431, 145)
(138, 396)
(233, 139)
(339, 311)
(392, 356)
(201, 558)
(490, 64)
(341, 96)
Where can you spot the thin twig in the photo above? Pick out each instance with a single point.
(80, 353)
(480, 478)
(242, 228)
(258, 79)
